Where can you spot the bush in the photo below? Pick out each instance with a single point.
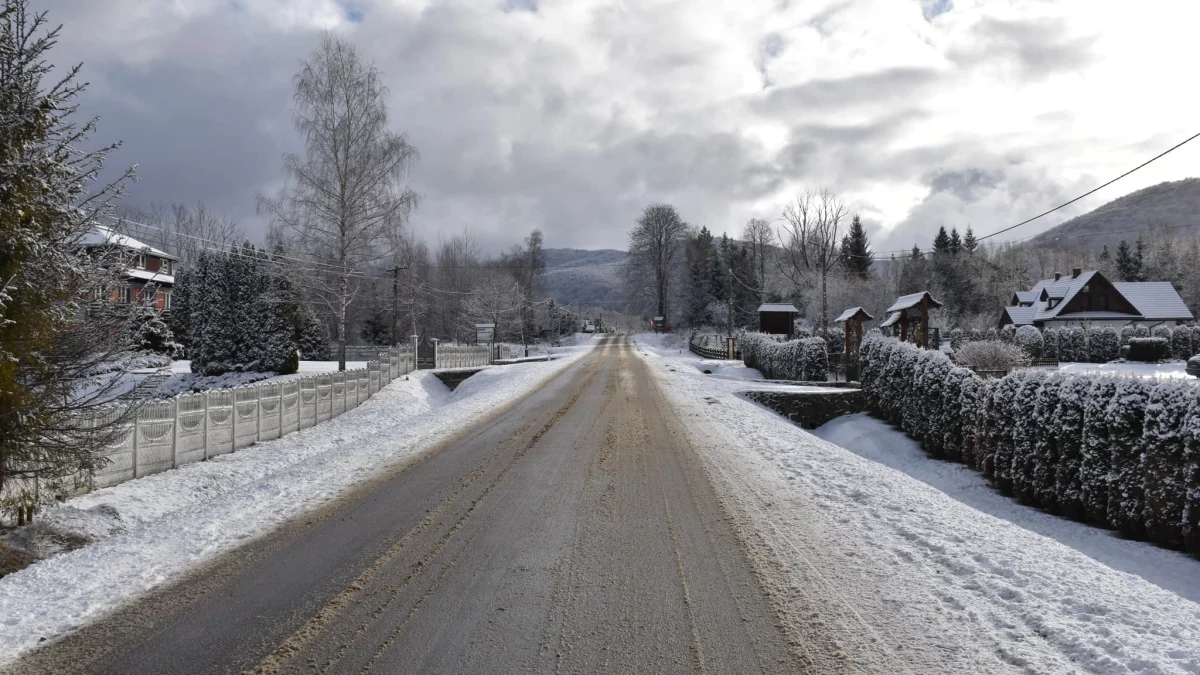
(956, 339)
(1127, 334)
(806, 359)
(1165, 333)
(1072, 345)
(1025, 433)
(1104, 345)
(991, 355)
(1164, 471)
(1096, 454)
(1068, 442)
(1181, 343)
(1148, 349)
(1141, 331)
(1043, 456)
(1050, 343)
(1008, 333)
(998, 465)
(1195, 331)
(1191, 489)
(1029, 339)
(1126, 416)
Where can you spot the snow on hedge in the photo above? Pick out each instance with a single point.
(806, 359)
(1120, 452)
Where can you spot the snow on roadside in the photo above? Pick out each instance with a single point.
(877, 440)
(1158, 371)
(875, 571)
(153, 529)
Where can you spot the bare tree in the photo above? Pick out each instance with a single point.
(759, 237)
(346, 195)
(809, 238)
(181, 230)
(654, 244)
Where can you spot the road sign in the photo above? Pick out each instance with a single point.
(485, 332)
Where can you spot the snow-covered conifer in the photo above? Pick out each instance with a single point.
(1069, 439)
(1163, 468)
(1038, 468)
(1181, 342)
(1126, 419)
(1029, 338)
(1002, 411)
(951, 421)
(1025, 434)
(1191, 472)
(1104, 344)
(1050, 343)
(1164, 331)
(1008, 333)
(1096, 455)
(1127, 333)
(1141, 331)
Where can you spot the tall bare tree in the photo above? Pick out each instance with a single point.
(809, 238)
(346, 194)
(759, 236)
(654, 245)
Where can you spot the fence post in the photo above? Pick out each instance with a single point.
(279, 410)
(135, 443)
(175, 433)
(257, 413)
(233, 415)
(204, 429)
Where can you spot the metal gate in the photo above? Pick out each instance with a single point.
(426, 354)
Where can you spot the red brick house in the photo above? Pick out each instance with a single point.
(150, 275)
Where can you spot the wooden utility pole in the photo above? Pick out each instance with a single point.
(395, 305)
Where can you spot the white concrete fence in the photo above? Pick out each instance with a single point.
(193, 427)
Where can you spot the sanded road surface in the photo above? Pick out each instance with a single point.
(575, 532)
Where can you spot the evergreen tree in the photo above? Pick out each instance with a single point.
(698, 297)
(1105, 256)
(1096, 452)
(180, 315)
(955, 242)
(311, 335)
(1139, 259)
(1126, 418)
(745, 298)
(856, 251)
(1128, 265)
(1164, 467)
(969, 242)
(941, 243)
(1069, 439)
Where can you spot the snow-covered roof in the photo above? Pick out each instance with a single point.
(778, 307)
(147, 275)
(851, 313)
(1027, 296)
(1064, 288)
(912, 300)
(100, 236)
(1021, 316)
(891, 319)
(1156, 300)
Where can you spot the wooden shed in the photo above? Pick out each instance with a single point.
(913, 303)
(777, 319)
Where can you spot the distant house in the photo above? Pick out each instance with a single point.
(1088, 298)
(150, 275)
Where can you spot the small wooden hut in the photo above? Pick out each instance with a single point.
(777, 319)
(906, 305)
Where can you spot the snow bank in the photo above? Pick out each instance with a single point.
(153, 529)
(875, 571)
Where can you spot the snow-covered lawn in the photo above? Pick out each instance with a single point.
(1170, 369)
(151, 530)
(876, 571)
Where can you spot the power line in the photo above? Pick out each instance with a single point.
(1094, 190)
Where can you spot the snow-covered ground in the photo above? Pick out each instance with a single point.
(877, 571)
(1170, 369)
(151, 530)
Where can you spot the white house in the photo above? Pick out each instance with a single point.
(1090, 299)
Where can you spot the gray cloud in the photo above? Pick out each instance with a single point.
(1036, 47)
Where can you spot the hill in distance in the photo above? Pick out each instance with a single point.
(1172, 206)
(589, 278)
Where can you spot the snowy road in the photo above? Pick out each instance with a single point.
(576, 532)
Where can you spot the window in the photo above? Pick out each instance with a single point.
(141, 261)
(125, 295)
(166, 299)
(165, 267)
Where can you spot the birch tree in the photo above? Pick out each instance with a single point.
(346, 193)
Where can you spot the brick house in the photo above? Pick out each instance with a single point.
(150, 275)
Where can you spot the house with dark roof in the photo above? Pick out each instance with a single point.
(1090, 299)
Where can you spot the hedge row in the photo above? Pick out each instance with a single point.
(1114, 451)
(1094, 344)
(806, 359)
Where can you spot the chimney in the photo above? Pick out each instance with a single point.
(1075, 271)
(1057, 276)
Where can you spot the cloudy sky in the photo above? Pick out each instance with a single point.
(572, 115)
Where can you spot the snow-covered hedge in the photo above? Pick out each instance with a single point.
(1029, 338)
(1120, 452)
(1072, 345)
(1164, 332)
(1148, 349)
(1050, 343)
(1181, 343)
(806, 359)
(1103, 344)
(991, 355)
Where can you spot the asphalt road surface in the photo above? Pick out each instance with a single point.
(575, 532)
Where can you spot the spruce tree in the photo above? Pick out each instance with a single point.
(941, 243)
(1040, 483)
(969, 242)
(955, 242)
(1069, 439)
(1126, 418)
(856, 251)
(1164, 469)
(1127, 264)
(1096, 451)
(1026, 435)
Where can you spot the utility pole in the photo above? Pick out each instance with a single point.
(395, 305)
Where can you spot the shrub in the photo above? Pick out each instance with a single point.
(1164, 470)
(1104, 345)
(1141, 331)
(1165, 333)
(1043, 456)
(1008, 333)
(955, 414)
(1072, 345)
(1181, 343)
(1025, 433)
(1069, 416)
(992, 334)
(1147, 349)
(956, 339)
(1096, 454)
(998, 466)
(806, 359)
(1029, 339)
(991, 355)
(1126, 416)
(1191, 471)
(1195, 331)
(1050, 343)
(1127, 333)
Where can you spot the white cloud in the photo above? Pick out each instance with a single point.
(574, 116)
